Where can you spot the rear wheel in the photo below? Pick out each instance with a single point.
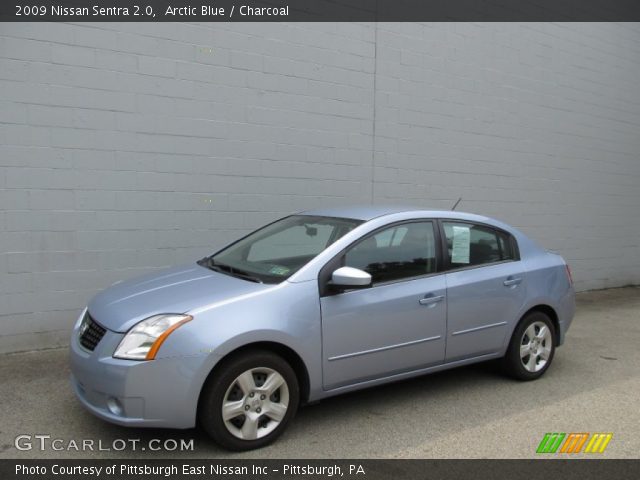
(531, 348)
(248, 401)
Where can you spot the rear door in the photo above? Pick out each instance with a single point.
(486, 288)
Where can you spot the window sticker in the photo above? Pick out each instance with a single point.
(461, 243)
(277, 270)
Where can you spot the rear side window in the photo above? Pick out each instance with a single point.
(469, 244)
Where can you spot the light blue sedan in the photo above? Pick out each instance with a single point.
(314, 305)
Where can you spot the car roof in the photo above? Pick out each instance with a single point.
(369, 212)
(359, 212)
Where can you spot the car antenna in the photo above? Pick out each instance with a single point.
(456, 204)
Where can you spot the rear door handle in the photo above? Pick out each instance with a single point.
(509, 282)
(431, 299)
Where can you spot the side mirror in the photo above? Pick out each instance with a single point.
(349, 277)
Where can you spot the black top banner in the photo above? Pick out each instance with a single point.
(319, 10)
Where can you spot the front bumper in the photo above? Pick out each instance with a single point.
(156, 393)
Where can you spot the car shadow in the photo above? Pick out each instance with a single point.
(387, 418)
(316, 417)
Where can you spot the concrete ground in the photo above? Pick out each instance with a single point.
(475, 412)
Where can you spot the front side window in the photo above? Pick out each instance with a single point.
(399, 252)
(275, 252)
(469, 244)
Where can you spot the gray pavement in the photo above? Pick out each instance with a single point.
(474, 412)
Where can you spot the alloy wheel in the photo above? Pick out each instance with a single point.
(535, 346)
(255, 403)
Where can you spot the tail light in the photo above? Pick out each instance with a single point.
(569, 275)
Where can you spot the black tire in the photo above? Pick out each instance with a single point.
(222, 383)
(513, 363)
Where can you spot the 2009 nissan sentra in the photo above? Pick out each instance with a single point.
(314, 305)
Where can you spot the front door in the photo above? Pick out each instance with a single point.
(397, 325)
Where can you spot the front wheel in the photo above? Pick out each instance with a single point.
(248, 401)
(531, 348)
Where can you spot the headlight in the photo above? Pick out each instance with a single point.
(144, 339)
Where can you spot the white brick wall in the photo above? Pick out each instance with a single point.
(130, 147)
(536, 124)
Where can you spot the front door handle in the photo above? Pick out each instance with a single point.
(509, 282)
(431, 300)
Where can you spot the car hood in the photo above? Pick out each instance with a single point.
(176, 290)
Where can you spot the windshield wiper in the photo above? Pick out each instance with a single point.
(228, 269)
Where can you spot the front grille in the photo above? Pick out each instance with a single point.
(90, 333)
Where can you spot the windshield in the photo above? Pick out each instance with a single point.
(275, 252)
